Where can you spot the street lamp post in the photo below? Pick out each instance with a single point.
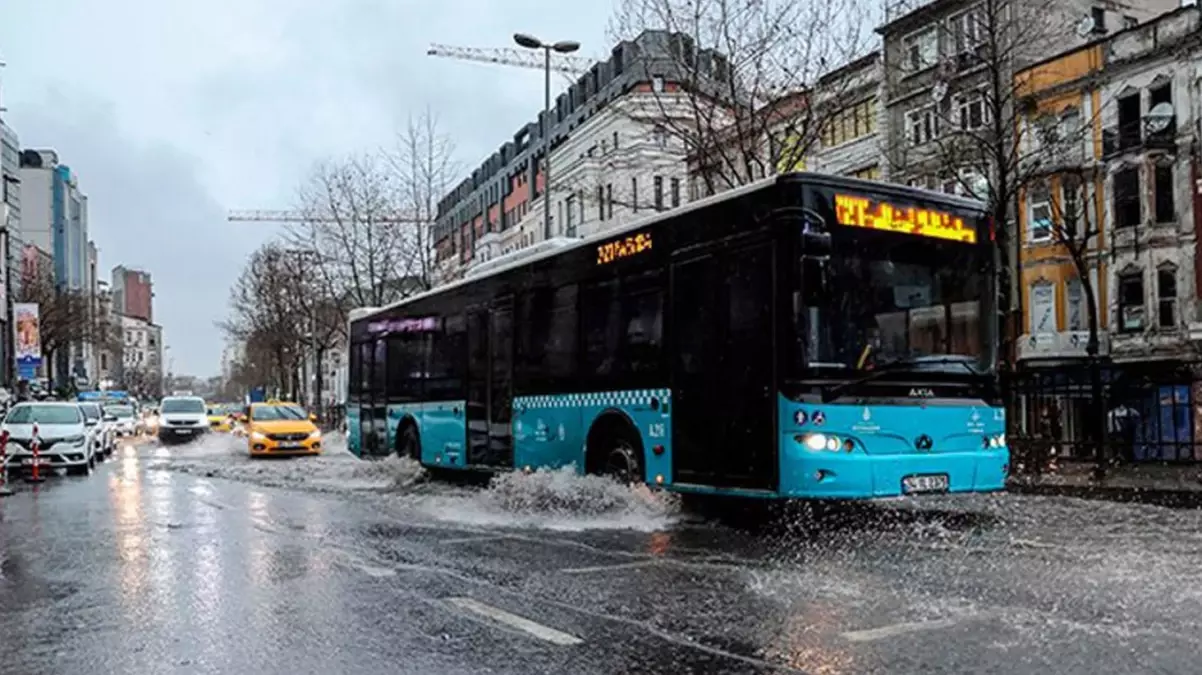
(563, 47)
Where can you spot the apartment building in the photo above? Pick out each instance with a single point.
(1110, 132)
(611, 159)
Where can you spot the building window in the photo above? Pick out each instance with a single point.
(1043, 308)
(1130, 22)
(922, 125)
(850, 123)
(1131, 301)
(1163, 191)
(609, 199)
(615, 140)
(1130, 121)
(1099, 19)
(634, 194)
(1166, 298)
(657, 84)
(968, 29)
(1073, 221)
(972, 111)
(1074, 293)
(1039, 212)
(1126, 197)
(600, 202)
(675, 189)
(659, 193)
(921, 49)
(659, 135)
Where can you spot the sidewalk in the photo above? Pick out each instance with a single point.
(1176, 486)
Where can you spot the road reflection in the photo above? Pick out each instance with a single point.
(125, 493)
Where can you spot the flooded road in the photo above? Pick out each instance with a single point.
(194, 561)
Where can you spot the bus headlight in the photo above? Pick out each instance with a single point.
(819, 442)
(995, 442)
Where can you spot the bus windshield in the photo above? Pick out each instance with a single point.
(893, 297)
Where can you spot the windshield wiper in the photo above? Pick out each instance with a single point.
(894, 365)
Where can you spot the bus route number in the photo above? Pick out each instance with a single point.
(623, 248)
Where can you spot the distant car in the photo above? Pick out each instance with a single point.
(123, 419)
(182, 418)
(103, 435)
(65, 441)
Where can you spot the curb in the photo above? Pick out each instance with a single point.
(1174, 499)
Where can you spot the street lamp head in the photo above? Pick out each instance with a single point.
(527, 41)
(565, 46)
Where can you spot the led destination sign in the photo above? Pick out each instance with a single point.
(623, 248)
(881, 215)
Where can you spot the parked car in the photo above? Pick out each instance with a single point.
(104, 436)
(182, 418)
(124, 421)
(65, 440)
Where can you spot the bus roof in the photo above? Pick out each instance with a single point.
(818, 178)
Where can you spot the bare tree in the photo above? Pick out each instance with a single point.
(267, 313)
(975, 140)
(423, 160)
(738, 77)
(64, 315)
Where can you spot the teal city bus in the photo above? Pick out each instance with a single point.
(806, 336)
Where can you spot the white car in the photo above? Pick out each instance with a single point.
(182, 419)
(125, 422)
(103, 434)
(65, 440)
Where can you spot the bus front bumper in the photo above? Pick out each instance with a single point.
(837, 475)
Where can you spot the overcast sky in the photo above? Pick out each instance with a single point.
(172, 112)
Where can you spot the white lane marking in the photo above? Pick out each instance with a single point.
(607, 568)
(514, 621)
(474, 540)
(901, 629)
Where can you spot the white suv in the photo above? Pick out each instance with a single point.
(65, 440)
(182, 418)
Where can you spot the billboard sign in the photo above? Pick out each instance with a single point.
(27, 339)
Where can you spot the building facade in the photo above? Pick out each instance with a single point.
(1114, 129)
(133, 292)
(609, 162)
(141, 357)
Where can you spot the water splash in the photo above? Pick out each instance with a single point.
(559, 499)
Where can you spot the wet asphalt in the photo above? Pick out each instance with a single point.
(141, 569)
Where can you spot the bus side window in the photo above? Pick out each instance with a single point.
(600, 317)
(642, 324)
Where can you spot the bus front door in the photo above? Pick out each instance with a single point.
(723, 405)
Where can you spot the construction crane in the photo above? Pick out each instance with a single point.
(508, 56)
(269, 216)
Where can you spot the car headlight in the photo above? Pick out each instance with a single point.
(257, 436)
(75, 440)
(316, 435)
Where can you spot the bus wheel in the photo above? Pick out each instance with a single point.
(410, 445)
(622, 461)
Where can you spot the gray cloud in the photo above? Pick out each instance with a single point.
(173, 112)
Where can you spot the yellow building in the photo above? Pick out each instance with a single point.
(1061, 212)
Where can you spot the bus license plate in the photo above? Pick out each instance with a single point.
(927, 483)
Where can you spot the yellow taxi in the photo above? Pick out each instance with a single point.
(220, 417)
(278, 428)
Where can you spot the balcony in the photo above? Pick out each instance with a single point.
(1068, 344)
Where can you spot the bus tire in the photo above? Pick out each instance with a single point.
(615, 450)
(409, 443)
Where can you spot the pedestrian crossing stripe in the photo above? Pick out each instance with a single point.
(602, 399)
